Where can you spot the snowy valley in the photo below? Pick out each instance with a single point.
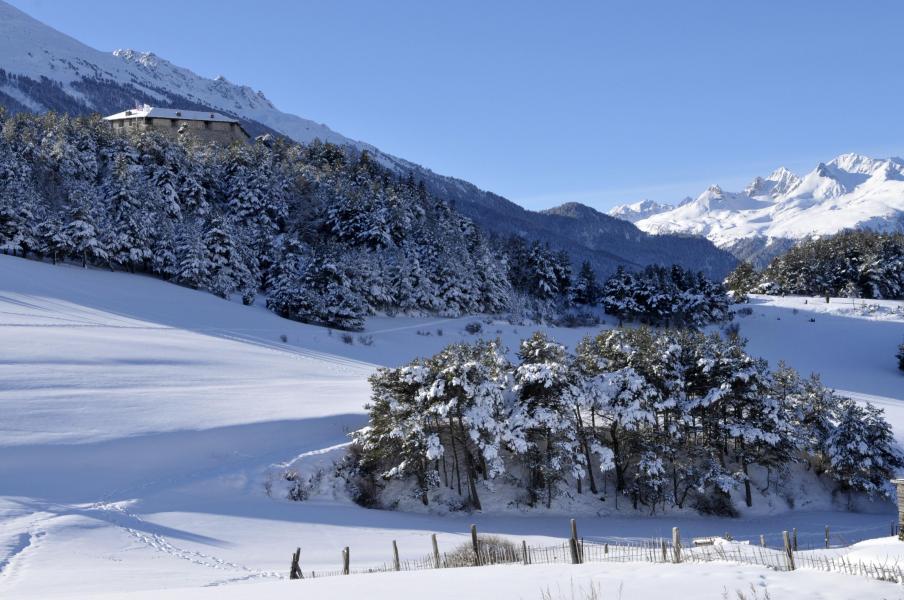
(156, 415)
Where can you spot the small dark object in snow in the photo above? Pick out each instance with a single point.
(284, 338)
(474, 328)
(812, 319)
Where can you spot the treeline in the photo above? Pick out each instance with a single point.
(860, 264)
(668, 418)
(326, 234)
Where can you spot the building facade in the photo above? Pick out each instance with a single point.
(204, 126)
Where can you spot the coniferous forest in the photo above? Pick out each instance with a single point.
(325, 234)
(329, 237)
(860, 264)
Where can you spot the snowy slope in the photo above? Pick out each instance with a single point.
(851, 191)
(141, 420)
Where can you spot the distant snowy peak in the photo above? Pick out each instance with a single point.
(850, 191)
(781, 181)
(639, 210)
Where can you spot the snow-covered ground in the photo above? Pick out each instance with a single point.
(139, 420)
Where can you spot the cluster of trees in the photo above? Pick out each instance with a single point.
(900, 356)
(661, 418)
(852, 264)
(328, 235)
(665, 296)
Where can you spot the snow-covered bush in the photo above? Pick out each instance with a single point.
(662, 418)
(900, 356)
(742, 281)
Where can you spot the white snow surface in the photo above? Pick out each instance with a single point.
(851, 191)
(141, 421)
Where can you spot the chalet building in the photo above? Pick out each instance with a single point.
(205, 126)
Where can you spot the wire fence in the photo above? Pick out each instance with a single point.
(491, 550)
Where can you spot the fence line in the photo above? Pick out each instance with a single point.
(486, 552)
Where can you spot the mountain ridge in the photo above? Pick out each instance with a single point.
(851, 191)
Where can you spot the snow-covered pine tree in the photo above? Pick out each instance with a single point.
(544, 383)
(226, 273)
(192, 265)
(129, 235)
(586, 290)
(79, 238)
(861, 449)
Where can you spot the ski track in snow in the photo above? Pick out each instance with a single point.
(160, 543)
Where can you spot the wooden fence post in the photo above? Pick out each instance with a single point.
(827, 536)
(435, 552)
(664, 551)
(395, 557)
(762, 540)
(789, 552)
(345, 561)
(573, 546)
(676, 544)
(794, 538)
(295, 570)
(476, 546)
(577, 558)
(524, 552)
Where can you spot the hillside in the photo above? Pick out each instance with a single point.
(44, 70)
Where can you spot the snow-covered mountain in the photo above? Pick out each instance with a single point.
(639, 210)
(42, 69)
(851, 191)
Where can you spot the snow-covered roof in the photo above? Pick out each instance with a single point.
(170, 113)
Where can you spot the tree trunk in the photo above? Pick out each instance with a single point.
(469, 463)
(455, 453)
(748, 496)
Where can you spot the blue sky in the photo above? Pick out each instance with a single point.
(597, 102)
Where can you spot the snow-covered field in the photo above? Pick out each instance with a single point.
(138, 421)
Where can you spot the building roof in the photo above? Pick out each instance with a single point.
(170, 113)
